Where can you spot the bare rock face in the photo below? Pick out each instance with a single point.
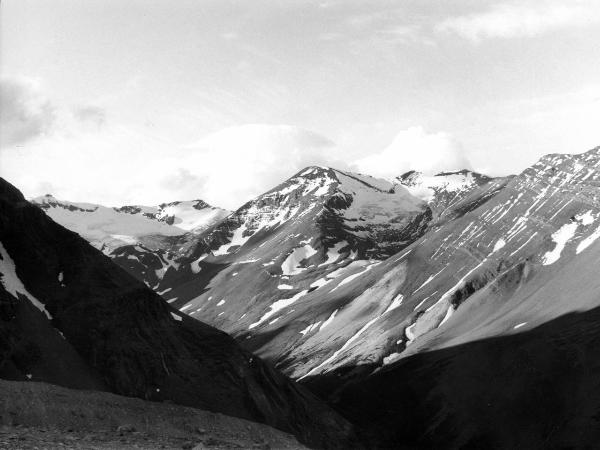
(119, 335)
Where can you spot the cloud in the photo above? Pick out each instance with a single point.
(25, 113)
(90, 114)
(414, 149)
(116, 165)
(511, 20)
(241, 162)
(183, 181)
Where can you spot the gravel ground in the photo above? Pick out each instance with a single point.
(42, 416)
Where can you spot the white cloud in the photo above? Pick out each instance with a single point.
(110, 165)
(238, 163)
(90, 114)
(414, 149)
(25, 112)
(115, 165)
(510, 20)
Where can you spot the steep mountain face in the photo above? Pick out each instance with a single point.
(522, 258)
(300, 232)
(311, 304)
(303, 275)
(70, 316)
(141, 239)
(289, 257)
(516, 364)
(109, 228)
(290, 264)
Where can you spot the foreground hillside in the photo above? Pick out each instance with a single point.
(42, 416)
(70, 316)
(536, 389)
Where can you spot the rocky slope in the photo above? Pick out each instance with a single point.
(447, 283)
(276, 271)
(501, 268)
(469, 271)
(70, 316)
(141, 239)
(309, 236)
(332, 269)
(43, 416)
(312, 224)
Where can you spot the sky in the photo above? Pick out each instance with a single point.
(145, 101)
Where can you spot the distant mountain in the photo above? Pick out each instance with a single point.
(319, 220)
(334, 269)
(108, 228)
(141, 239)
(502, 266)
(413, 291)
(445, 191)
(303, 274)
(70, 316)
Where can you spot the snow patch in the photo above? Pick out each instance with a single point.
(356, 275)
(237, 240)
(291, 264)
(319, 283)
(586, 218)
(337, 352)
(499, 245)
(333, 253)
(588, 241)
(395, 303)
(195, 265)
(329, 319)
(560, 237)
(278, 306)
(12, 283)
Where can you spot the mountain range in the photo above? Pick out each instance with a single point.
(454, 310)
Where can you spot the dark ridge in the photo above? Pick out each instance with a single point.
(534, 389)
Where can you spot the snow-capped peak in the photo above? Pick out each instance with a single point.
(312, 180)
(426, 187)
(193, 215)
(107, 227)
(49, 201)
